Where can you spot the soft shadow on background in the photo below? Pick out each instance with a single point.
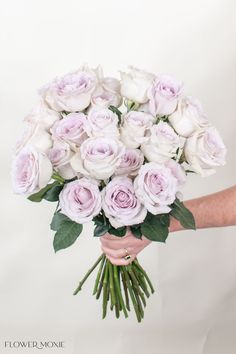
(194, 308)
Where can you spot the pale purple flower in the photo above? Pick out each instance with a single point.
(134, 128)
(120, 203)
(156, 187)
(205, 150)
(80, 200)
(177, 171)
(98, 157)
(102, 122)
(188, 117)
(131, 161)
(31, 171)
(60, 155)
(71, 129)
(71, 92)
(162, 143)
(164, 94)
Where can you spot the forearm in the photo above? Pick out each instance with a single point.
(214, 210)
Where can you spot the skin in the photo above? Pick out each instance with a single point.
(214, 210)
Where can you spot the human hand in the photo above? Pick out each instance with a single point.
(116, 248)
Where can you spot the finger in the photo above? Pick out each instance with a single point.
(121, 261)
(120, 253)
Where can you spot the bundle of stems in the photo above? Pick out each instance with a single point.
(120, 286)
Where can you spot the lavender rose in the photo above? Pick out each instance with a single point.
(120, 203)
(162, 143)
(205, 150)
(31, 171)
(71, 129)
(98, 157)
(177, 171)
(107, 93)
(80, 200)
(131, 161)
(163, 95)
(102, 122)
(71, 92)
(134, 128)
(60, 155)
(188, 117)
(156, 187)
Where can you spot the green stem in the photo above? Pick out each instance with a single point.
(105, 290)
(58, 178)
(145, 275)
(111, 283)
(136, 285)
(127, 279)
(87, 275)
(99, 275)
(141, 280)
(118, 290)
(125, 291)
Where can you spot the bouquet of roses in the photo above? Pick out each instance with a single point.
(115, 153)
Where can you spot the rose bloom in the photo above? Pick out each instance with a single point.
(98, 157)
(177, 171)
(188, 117)
(80, 200)
(205, 150)
(102, 122)
(71, 92)
(31, 171)
(60, 155)
(156, 187)
(131, 161)
(135, 84)
(33, 134)
(71, 129)
(134, 128)
(162, 143)
(120, 203)
(42, 116)
(107, 92)
(163, 95)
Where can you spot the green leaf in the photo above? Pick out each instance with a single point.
(66, 235)
(120, 232)
(136, 231)
(183, 215)
(52, 195)
(37, 197)
(116, 111)
(100, 230)
(99, 220)
(57, 221)
(156, 227)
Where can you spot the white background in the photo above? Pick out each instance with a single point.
(194, 308)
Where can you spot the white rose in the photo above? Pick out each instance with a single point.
(107, 93)
(205, 150)
(135, 84)
(134, 128)
(60, 155)
(31, 171)
(162, 143)
(98, 157)
(71, 92)
(188, 117)
(33, 134)
(102, 122)
(42, 116)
